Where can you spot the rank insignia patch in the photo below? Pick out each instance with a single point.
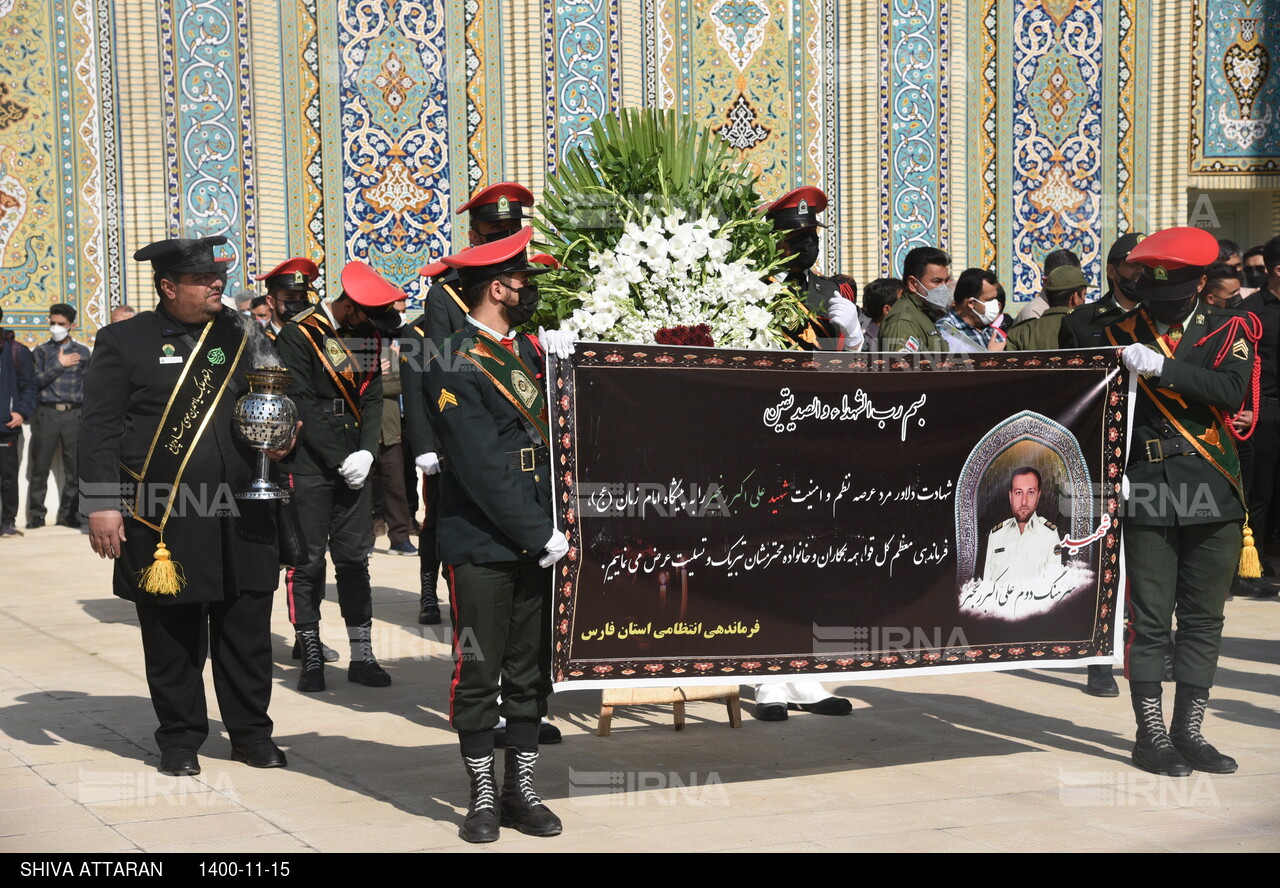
(1240, 349)
(446, 399)
(334, 350)
(525, 389)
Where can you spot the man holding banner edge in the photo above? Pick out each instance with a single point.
(1183, 527)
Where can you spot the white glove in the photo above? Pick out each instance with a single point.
(355, 468)
(1142, 360)
(844, 314)
(557, 547)
(428, 462)
(560, 343)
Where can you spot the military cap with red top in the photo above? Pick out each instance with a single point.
(498, 203)
(545, 259)
(367, 288)
(506, 256)
(435, 269)
(796, 209)
(291, 274)
(185, 255)
(1173, 260)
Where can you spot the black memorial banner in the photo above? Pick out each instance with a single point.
(753, 516)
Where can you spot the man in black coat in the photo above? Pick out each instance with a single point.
(158, 464)
(17, 404)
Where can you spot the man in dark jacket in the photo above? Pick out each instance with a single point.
(158, 465)
(17, 404)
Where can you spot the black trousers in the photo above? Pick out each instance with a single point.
(10, 458)
(336, 519)
(176, 640)
(501, 642)
(49, 429)
(1258, 458)
(389, 468)
(428, 556)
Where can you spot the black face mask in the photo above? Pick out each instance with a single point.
(1169, 311)
(520, 313)
(291, 307)
(804, 250)
(1235, 301)
(1255, 276)
(497, 235)
(1127, 288)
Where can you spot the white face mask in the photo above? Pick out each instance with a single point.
(939, 296)
(990, 311)
(404, 318)
(58, 332)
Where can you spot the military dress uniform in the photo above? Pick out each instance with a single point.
(484, 396)
(444, 312)
(1183, 517)
(337, 385)
(226, 549)
(795, 217)
(1019, 555)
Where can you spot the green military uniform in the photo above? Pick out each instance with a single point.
(1185, 506)
(1083, 327)
(1193, 495)
(909, 327)
(1039, 334)
(495, 519)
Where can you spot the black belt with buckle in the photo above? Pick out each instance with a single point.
(526, 459)
(337, 407)
(62, 406)
(1160, 449)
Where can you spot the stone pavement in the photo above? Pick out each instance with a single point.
(1020, 761)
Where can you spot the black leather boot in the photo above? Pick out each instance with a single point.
(521, 806)
(481, 822)
(311, 679)
(1153, 751)
(1184, 731)
(364, 668)
(1101, 682)
(428, 604)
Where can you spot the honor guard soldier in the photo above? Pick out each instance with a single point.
(1185, 509)
(829, 319)
(158, 464)
(289, 291)
(830, 323)
(332, 353)
(494, 213)
(1084, 327)
(484, 394)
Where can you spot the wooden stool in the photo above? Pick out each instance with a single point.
(676, 696)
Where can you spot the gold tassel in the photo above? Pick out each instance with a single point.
(164, 576)
(1250, 566)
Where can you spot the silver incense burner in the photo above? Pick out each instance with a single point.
(265, 419)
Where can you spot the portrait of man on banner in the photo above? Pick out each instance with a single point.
(1020, 489)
